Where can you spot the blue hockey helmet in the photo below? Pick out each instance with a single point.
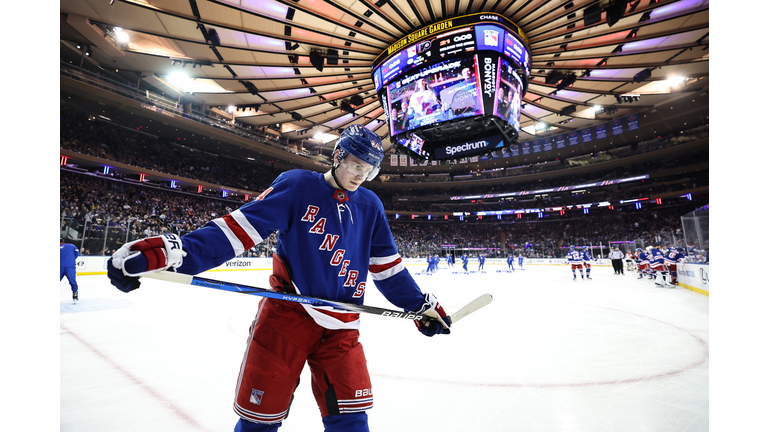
(573, 247)
(362, 143)
(679, 249)
(639, 250)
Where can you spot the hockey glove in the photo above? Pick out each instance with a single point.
(431, 308)
(143, 256)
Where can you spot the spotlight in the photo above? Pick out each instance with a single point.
(88, 52)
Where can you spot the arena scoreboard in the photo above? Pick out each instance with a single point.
(453, 89)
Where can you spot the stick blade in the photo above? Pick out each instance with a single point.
(474, 305)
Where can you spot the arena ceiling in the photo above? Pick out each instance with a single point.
(259, 60)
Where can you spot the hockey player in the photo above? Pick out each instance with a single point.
(660, 271)
(437, 263)
(465, 261)
(630, 259)
(643, 264)
(586, 257)
(670, 261)
(449, 260)
(332, 234)
(481, 259)
(520, 259)
(68, 265)
(430, 263)
(575, 259)
(511, 262)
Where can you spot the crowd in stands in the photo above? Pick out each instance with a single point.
(110, 213)
(548, 237)
(104, 140)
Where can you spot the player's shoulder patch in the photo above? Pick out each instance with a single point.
(264, 194)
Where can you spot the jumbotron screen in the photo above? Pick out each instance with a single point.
(453, 89)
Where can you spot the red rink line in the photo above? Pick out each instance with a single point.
(699, 362)
(135, 380)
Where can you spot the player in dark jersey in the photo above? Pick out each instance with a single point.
(332, 234)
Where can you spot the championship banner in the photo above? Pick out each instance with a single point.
(526, 148)
(463, 160)
(434, 163)
(573, 138)
(617, 127)
(403, 160)
(484, 157)
(393, 160)
(560, 141)
(474, 159)
(413, 162)
(537, 146)
(586, 135)
(505, 153)
(515, 150)
(548, 144)
(601, 132)
(425, 163)
(633, 122)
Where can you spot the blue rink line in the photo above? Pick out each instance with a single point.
(91, 305)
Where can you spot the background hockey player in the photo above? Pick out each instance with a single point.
(511, 262)
(520, 261)
(670, 261)
(332, 234)
(68, 265)
(449, 260)
(437, 262)
(586, 258)
(658, 269)
(465, 261)
(576, 261)
(481, 259)
(430, 263)
(630, 260)
(643, 263)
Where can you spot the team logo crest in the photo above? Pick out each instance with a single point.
(256, 396)
(341, 196)
(376, 145)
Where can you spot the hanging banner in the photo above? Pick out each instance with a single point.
(505, 152)
(586, 135)
(601, 132)
(560, 141)
(473, 159)
(403, 160)
(573, 138)
(617, 127)
(526, 148)
(515, 150)
(393, 160)
(633, 122)
(537, 146)
(548, 144)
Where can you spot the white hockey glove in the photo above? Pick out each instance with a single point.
(143, 256)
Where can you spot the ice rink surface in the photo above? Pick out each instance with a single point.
(611, 354)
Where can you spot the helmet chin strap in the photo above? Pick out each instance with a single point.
(333, 174)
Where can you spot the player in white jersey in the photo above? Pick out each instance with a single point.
(576, 261)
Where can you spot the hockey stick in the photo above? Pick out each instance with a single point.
(312, 301)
